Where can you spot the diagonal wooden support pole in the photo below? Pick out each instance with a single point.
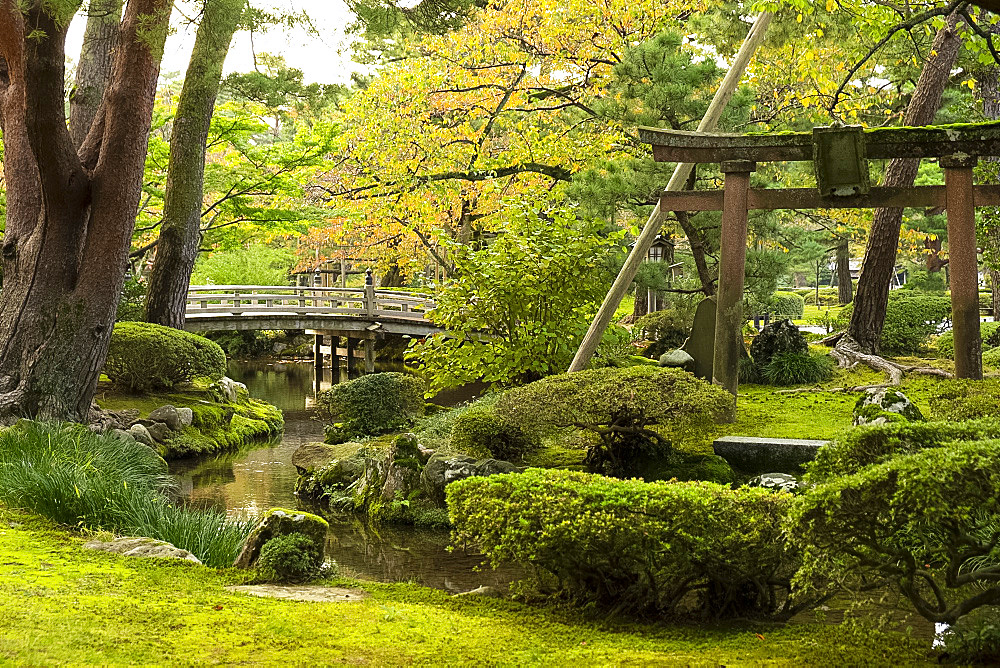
(680, 176)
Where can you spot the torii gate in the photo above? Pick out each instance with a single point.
(840, 156)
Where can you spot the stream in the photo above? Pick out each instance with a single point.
(254, 479)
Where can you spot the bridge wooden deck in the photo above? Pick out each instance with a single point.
(345, 310)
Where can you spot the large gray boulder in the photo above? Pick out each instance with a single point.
(442, 470)
(880, 406)
(228, 390)
(677, 359)
(141, 434)
(141, 547)
(281, 522)
(312, 456)
(168, 415)
(186, 416)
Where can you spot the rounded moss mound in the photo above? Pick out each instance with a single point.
(290, 558)
(143, 356)
(480, 432)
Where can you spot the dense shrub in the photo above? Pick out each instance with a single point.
(241, 343)
(955, 400)
(667, 548)
(787, 305)
(946, 342)
(481, 432)
(827, 296)
(974, 639)
(991, 357)
(778, 337)
(290, 558)
(621, 407)
(874, 444)
(788, 368)
(143, 356)
(670, 325)
(926, 523)
(749, 373)
(132, 302)
(910, 320)
(374, 404)
(77, 478)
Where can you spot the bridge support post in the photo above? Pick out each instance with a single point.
(351, 363)
(334, 356)
(318, 355)
(370, 355)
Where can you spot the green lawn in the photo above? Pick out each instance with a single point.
(63, 605)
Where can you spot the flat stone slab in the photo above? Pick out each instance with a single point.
(311, 593)
(755, 455)
(141, 547)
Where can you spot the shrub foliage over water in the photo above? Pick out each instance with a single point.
(77, 478)
(666, 548)
(626, 409)
(143, 356)
(375, 404)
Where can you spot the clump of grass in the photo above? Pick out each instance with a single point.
(86, 480)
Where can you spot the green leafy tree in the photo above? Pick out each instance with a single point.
(520, 304)
(254, 265)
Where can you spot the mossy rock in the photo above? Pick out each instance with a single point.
(282, 522)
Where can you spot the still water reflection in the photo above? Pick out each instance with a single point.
(262, 477)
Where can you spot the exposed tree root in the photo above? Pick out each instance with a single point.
(847, 356)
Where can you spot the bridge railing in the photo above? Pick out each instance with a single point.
(238, 300)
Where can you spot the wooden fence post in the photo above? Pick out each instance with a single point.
(963, 270)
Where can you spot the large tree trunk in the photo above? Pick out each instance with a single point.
(92, 72)
(70, 215)
(845, 287)
(697, 244)
(180, 233)
(868, 318)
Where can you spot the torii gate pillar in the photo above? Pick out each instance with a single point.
(729, 315)
(963, 271)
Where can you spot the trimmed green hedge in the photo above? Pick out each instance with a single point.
(143, 356)
(787, 305)
(910, 320)
(630, 412)
(374, 404)
(946, 342)
(957, 400)
(874, 444)
(926, 523)
(637, 546)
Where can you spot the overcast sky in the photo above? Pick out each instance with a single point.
(325, 58)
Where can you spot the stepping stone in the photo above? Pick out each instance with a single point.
(311, 593)
(754, 456)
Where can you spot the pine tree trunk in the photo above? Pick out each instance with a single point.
(879, 264)
(70, 214)
(180, 233)
(92, 72)
(845, 287)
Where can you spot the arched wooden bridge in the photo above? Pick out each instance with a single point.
(355, 312)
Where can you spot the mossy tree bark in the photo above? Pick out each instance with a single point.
(70, 214)
(845, 287)
(180, 232)
(94, 69)
(868, 317)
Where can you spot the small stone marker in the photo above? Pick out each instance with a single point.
(701, 344)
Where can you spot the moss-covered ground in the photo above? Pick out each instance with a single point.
(68, 606)
(216, 426)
